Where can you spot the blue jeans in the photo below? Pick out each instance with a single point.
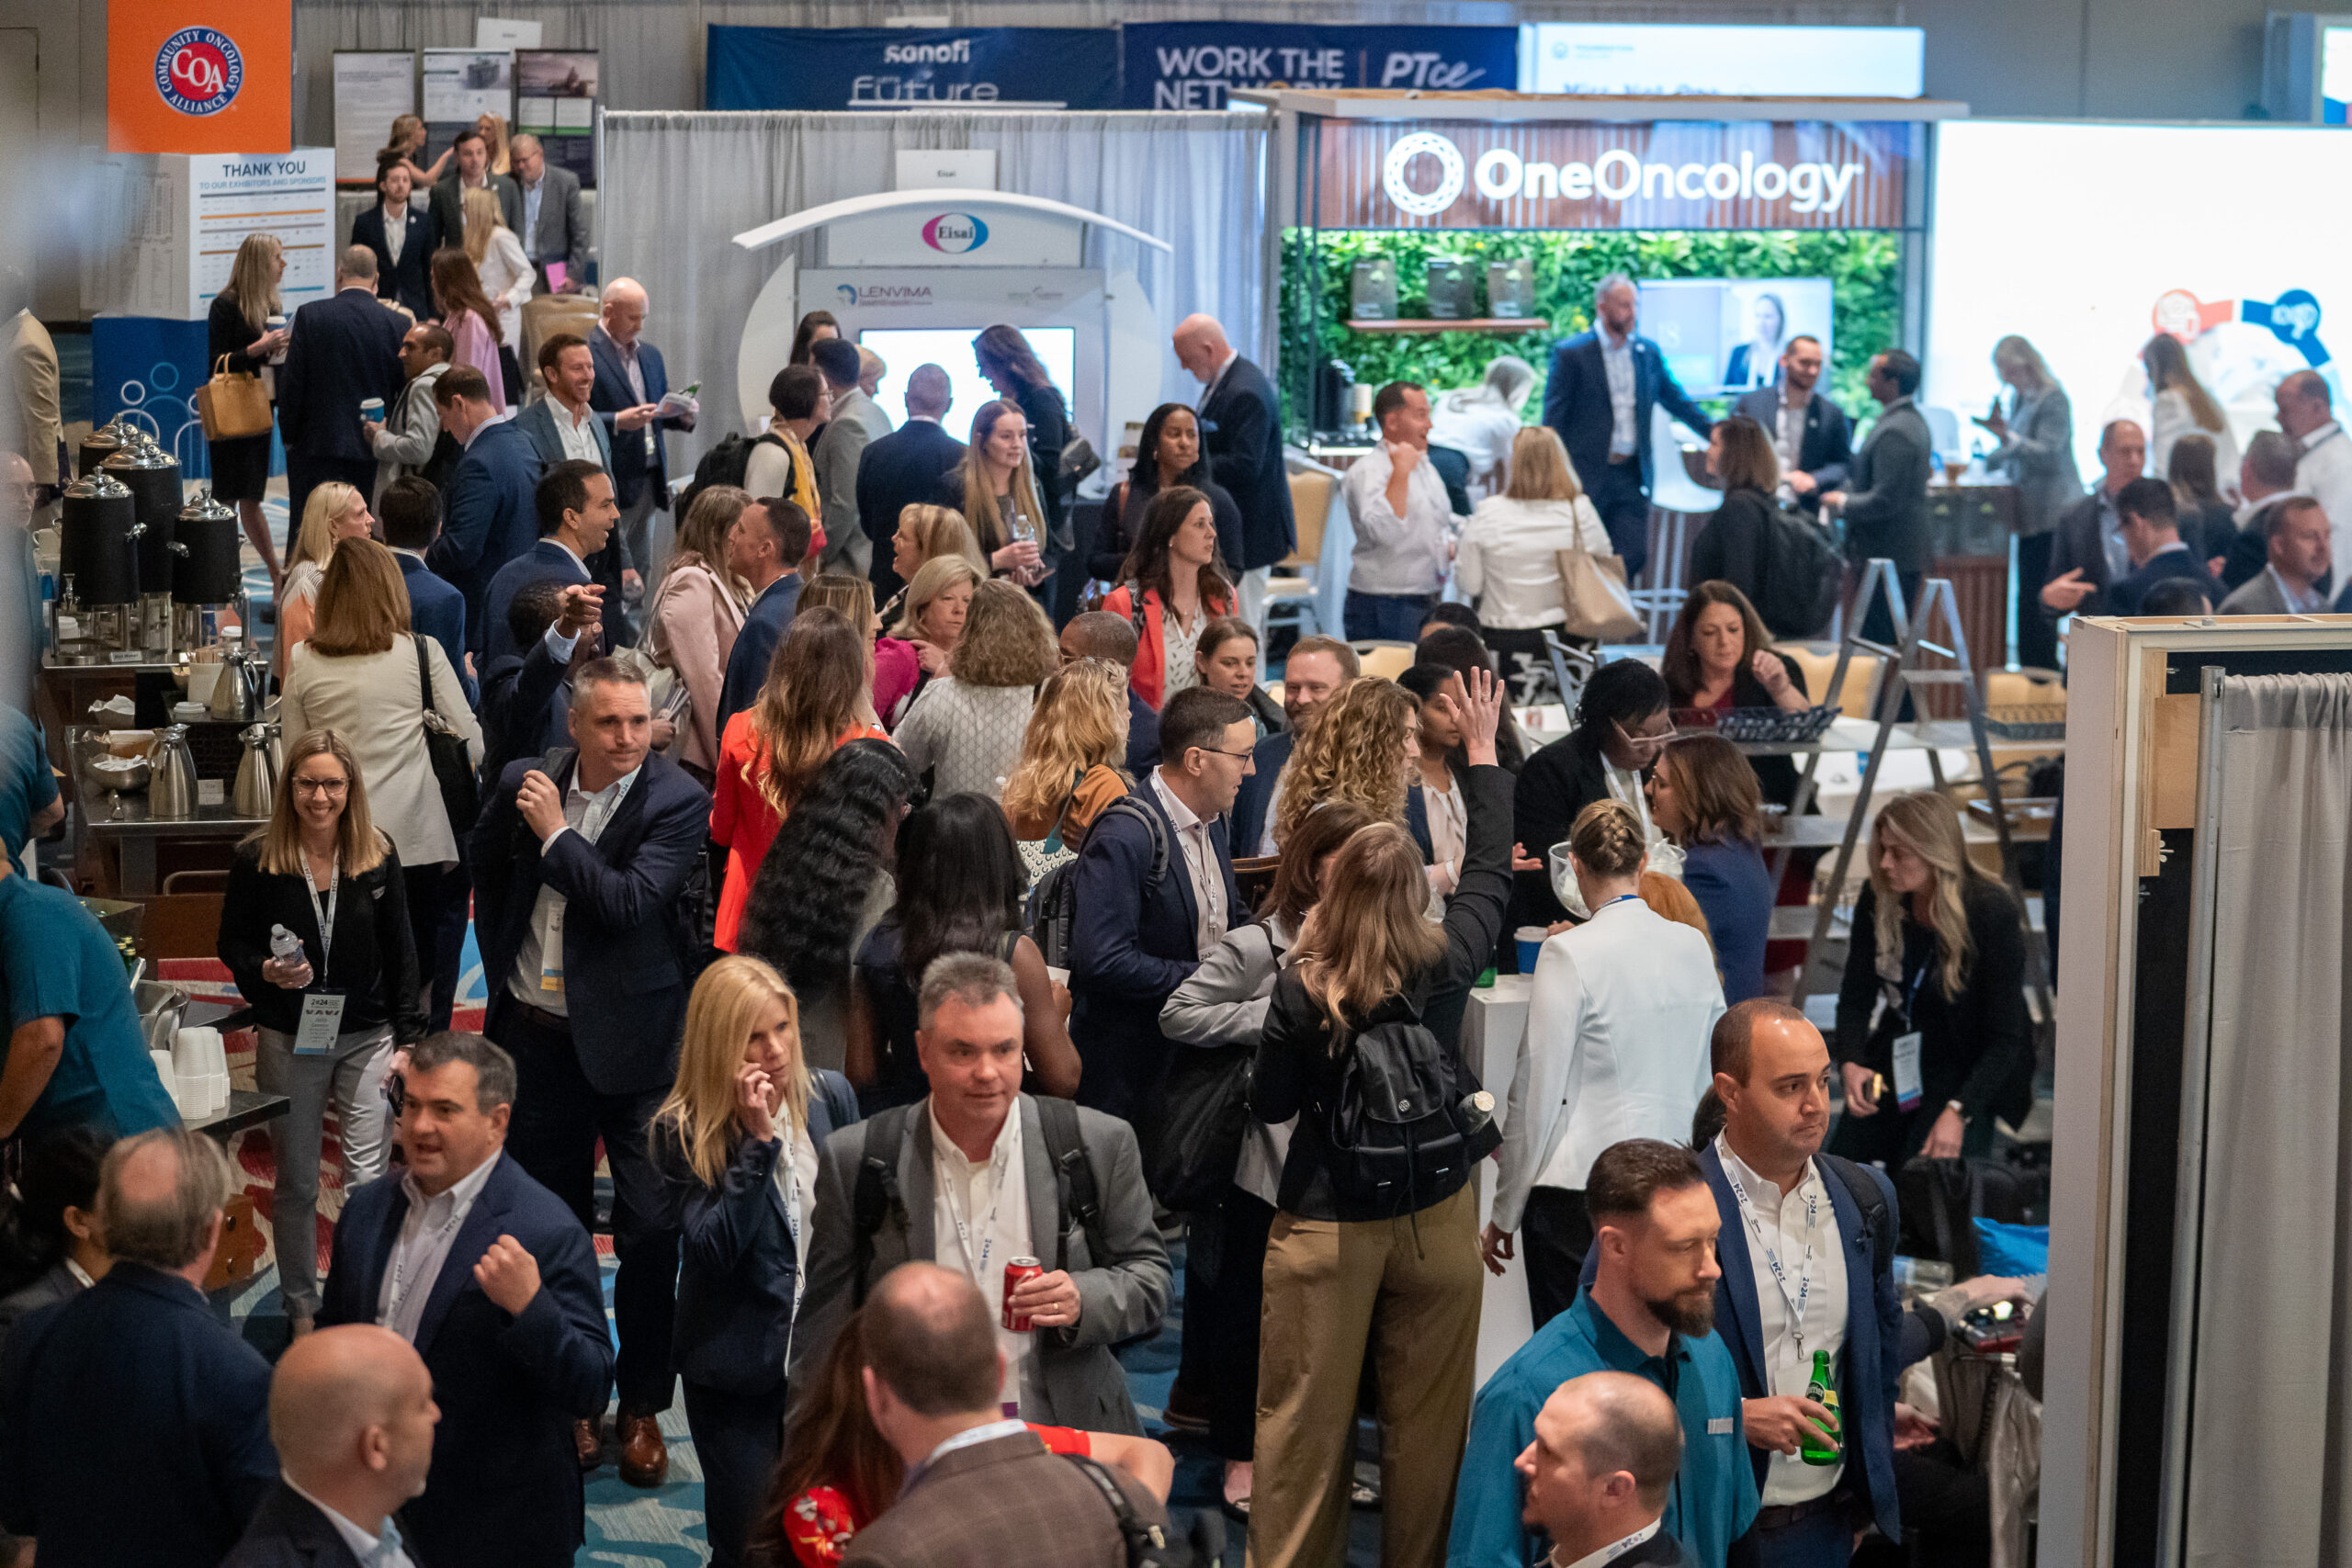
(1385, 617)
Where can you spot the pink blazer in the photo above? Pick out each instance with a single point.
(691, 628)
(471, 345)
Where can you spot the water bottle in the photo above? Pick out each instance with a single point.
(287, 948)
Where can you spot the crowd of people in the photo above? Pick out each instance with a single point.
(918, 969)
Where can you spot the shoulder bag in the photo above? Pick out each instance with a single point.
(234, 404)
(453, 768)
(1592, 591)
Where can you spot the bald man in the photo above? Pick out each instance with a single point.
(631, 381)
(2322, 457)
(1241, 431)
(345, 349)
(351, 1410)
(1605, 1452)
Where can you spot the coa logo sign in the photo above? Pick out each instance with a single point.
(199, 71)
(955, 233)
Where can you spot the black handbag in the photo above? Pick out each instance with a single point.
(453, 766)
(1194, 1134)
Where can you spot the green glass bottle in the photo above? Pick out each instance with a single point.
(1818, 1447)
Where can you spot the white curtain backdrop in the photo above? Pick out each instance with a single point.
(2270, 1434)
(678, 186)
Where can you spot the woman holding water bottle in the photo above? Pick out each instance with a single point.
(314, 930)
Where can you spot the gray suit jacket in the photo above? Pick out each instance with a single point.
(1120, 1296)
(564, 233)
(2039, 457)
(2257, 595)
(1886, 503)
(1005, 1500)
(857, 421)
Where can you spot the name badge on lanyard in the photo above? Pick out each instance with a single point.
(1908, 1089)
(551, 953)
(322, 1019)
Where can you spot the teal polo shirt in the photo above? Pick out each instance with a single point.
(1714, 1499)
(27, 786)
(57, 962)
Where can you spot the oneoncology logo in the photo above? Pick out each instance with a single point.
(955, 233)
(1617, 175)
(1422, 204)
(199, 71)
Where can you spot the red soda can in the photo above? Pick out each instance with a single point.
(1017, 1271)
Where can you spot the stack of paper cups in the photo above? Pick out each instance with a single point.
(162, 1060)
(201, 1073)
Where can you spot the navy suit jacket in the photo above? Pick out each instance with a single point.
(133, 1383)
(544, 561)
(1242, 427)
(1248, 817)
(538, 422)
(629, 956)
(741, 1269)
(504, 1487)
(1825, 450)
(765, 624)
(289, 1531)
(633, 471)
(2123, 595)
(1576, 405)
(519, 710)
(408, 281)
(346, 349)
(1143, 735)
(894, 472)
(1136, 944)
(493, 517)
(438, 610)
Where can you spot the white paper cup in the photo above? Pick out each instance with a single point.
(201, 679)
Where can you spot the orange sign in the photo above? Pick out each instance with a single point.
(200, 76)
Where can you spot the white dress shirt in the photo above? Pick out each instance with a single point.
(1200, 865)
(2323, 471)
(427, 1231)
(1801, 1228)
(373, 1551)
(2298, 601)
(1448, 832)
(395, 236)
(1616, 1047)
(979, 1222)
(538, 979)
(578, 433)
(1396, 555)
(1223, 366)
(1617, 362)
(1788, 433)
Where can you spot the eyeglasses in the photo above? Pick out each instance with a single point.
(1221, 751)
(321, 786)
(1642, 743)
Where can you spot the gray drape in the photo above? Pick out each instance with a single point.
(678, 186)
(2270, 1431)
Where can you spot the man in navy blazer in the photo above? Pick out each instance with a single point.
(410, 513)
(1599, 395)
(133, 1423)
(1241, 433)
(494, 1282)
(1771, 1183)
(576, 513)
(1156, 891)
(563, 425)
(631, 381)
(764, 549)
(584, 869)
(1825, 436)
(492, 516)
(903, 468)
(346, 349)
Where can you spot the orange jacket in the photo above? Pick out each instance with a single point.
(1148, 675)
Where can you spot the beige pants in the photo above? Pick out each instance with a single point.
(1409, 1290)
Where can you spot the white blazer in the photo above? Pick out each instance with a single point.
(506, 277)
(371, 700)
(1617, 1038)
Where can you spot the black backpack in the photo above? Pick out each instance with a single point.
(1053, 903)
(1409, 1124)
(1803, 574)
(724, 464)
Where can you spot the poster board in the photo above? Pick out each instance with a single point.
(182, 217)
(460, 87)
(555, 100)
(372, 88)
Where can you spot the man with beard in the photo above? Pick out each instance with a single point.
(1647, 1309)
(1807, 1249)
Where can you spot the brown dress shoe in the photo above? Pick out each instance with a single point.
(587, 1445)
(645, 1460)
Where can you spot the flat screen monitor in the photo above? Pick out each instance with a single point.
(950, 348)
(1723, 337)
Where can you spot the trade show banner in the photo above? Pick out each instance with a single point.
(460, 87)
(179, 219)
(1589, 174)
(870, 68)
(200, 76)
(372, 88)
(1193, 65)
(555, 100)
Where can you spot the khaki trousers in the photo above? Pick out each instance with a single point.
(1409, 1290)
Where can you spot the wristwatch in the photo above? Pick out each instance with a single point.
(1956, 1110)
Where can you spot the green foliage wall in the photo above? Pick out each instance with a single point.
(1864, 267)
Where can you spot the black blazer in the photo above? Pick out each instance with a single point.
(1048, 434)
(1577, 402)
(289, 1531)
(408, 281)
(2123, 595)
(740, 1270)
(1828, 445)
(346, 349)
(504, 1487)
(1242, 430)
(447, 205)
(226, 332)
(1143, 737)
(1116, 536)
(2081, 545)
(894, 472)
(519, 716)
(1886, 501)
(133, 1385)
(373, 958)
(1558, 781)
(629, 956)
(1734, 545)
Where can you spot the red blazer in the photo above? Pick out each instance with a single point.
(1148, 675)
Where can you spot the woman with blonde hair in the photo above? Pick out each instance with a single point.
(933, 610)
(1070, 754)
(364, 675)
(739, 1136)
(1940, 943)
(1509, 558)
(924, 534)
(321, 869)
(1355, 1264)
(2037, 452)
(693, 618)
(1363, 747)
(406, 140)
(475, 335)
(334, 511)
(494, 142)
(499, 260)
(965, 728)
(813, 704)
(2182, 405)
(239, 338)
(996, 490)
(895, 665)
(1178, 568)
(1617, 1047)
